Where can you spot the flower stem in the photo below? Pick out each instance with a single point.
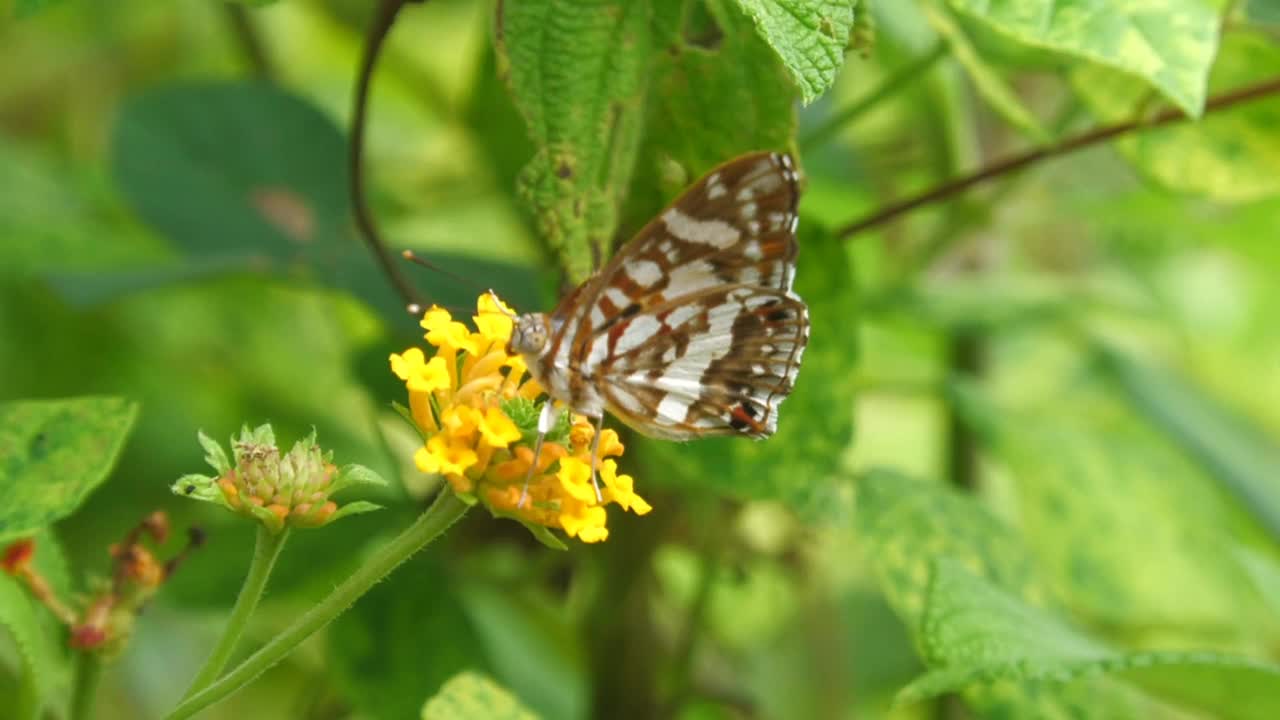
(265, 551)
(85, 684)
(897, 82)
(446, 510)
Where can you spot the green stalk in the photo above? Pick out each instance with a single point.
(85, 684)
(446, 510)
(897, 82)
(265, 551)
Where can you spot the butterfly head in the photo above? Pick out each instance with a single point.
(529, 336)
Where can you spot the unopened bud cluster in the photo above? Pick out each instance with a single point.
(278, 490)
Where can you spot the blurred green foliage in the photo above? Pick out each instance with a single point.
(1031, 465)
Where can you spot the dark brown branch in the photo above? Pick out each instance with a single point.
(1097, 135)
(384, 18)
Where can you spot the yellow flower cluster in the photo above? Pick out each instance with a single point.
(477, 411)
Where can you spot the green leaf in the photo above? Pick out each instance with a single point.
(246, 178)
(27, 8)
(1168, 44)
(472, 696)
(979, 634)
(53, 453)
(1264, 11)
(816, 423)
(906, 523)
(531, 647)
(707, 105)
(578, 73)
(1091, 507)
(407, 635)
(986, 79)
(1237, 454)
(809, 35)
(1231, 155)
(356, 507)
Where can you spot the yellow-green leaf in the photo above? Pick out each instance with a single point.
(1168, 44)
(809, 35)
(53, 453)
(472, 696)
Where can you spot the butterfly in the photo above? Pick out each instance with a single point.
(691, 329)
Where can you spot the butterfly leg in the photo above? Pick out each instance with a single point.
(595, 448)
(546, 421)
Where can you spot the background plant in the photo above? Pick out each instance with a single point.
(1029, 468)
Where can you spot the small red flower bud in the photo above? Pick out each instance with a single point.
(18, 555)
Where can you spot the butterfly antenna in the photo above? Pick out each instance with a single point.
(416, 259)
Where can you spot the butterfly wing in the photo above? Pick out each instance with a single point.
(719, 362)
(692, 328)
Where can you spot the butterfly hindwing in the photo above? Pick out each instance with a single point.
(716, 363)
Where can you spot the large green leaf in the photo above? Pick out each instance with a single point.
(905, 523)
(53, 453)
(1236, 453)
(1231, 155)
(977, 634)
(404, 638)
(707, 104)
(1005, 642)
(245, 177)
(1168, 44)
(531, 648)
(472, 696)
(1091, 507)
(809, 35)
(578, 73)
(798, 463)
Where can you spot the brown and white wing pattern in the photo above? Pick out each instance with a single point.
(692, 329)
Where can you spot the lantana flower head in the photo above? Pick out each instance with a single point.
(477, 410)
(277, 489)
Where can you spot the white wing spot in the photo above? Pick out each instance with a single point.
(645, 273)
(637, 333)
(673, 408)
(795, 223)
(682, 315)
(748, 210)
(751, 250)
(716, 233)
(616, 296)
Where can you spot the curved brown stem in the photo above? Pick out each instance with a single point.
(384, 18)
(958, 185)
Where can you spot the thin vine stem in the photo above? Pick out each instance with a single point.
(895, 83)
(384, 18)
(955, 186)
(445, 511)
(266, 550)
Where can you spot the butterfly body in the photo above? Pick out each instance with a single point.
(692, 329)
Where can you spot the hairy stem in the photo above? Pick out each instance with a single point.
(446, 510)
(265, 551)
(999, 168)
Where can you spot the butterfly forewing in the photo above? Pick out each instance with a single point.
(692, 328)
